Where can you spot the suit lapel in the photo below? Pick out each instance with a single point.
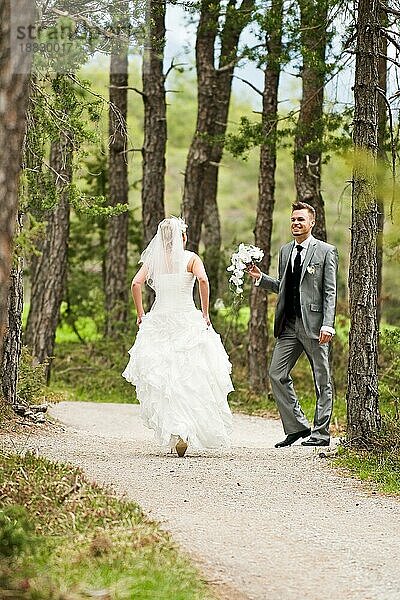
(309, 254)
(286, 254)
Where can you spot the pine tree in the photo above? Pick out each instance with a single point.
(258, 328)
(309, 129)
(14, 92)
(116, 260)
(363, 416)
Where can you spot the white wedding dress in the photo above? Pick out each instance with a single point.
(180, 368)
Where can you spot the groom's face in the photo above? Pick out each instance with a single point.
(302, 223)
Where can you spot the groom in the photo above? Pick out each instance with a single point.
(304, 320)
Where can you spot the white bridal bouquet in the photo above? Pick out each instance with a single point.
(240, 261)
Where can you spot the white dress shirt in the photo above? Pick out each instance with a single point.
(304, 246)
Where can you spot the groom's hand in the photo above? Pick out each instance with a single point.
(253, 271)
(324, 337)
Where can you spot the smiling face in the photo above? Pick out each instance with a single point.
(302, 222)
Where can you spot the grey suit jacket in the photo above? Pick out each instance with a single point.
(317, 287)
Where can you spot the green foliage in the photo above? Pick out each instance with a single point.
(248, 136)
(27, 241)
(389, 370)
(62, 47)
(93, 206)
(15, 531)
(380, 462)
(332, 135)
(86, 540)
(84, 298)
(92, 371)
(31, 386)
(57, 104)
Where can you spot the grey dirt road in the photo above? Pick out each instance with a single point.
(262, 523)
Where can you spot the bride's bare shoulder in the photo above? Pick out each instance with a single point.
(192, 259)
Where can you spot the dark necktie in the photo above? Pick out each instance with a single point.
(297, 260)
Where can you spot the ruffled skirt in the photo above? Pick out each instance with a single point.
(182, 377)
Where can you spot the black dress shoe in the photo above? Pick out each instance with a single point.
(293, 437)
(312, 442)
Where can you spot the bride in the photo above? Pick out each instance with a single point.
(178, 363)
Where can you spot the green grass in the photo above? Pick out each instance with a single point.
(74, 539)
(91, 372)
(383, 468)
(86, 327)
(379, 461)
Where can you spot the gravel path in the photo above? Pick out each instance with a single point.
(264, 524)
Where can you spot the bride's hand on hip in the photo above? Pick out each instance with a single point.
(139, 319)
(206, 318)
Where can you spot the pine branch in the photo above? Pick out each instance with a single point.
(235, 61)
(172, 67)
(127, 87)
(393, 147)
(389, 38)
(389, 10)
(249, 84)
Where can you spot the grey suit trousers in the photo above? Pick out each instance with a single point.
(292, 342)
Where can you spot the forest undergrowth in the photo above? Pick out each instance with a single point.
(63, 537)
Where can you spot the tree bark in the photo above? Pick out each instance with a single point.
(258, 327)
(155, 125)
(48, 278)
(14, 92)
(13, 336)
(213, 97)
(212, 231)
(155, 122)
(309, 130)
(382, 131)
(363, 416)
(116, 259)
(200, 148)
(235, 21)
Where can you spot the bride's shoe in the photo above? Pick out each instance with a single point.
(181, 447)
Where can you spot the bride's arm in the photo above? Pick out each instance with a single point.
(204, 287)
(136, 289)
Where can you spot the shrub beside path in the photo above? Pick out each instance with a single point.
(262, 523)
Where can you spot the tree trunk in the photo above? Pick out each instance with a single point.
(309, 130)
(200, 148)
(155, 123)
(214, 91)
(382, 131)
(212, 232)
(235, 21)
(258, 327)
(116, 259)
(363, 417)
(48, 279)
(13, 336)
(14, 92)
